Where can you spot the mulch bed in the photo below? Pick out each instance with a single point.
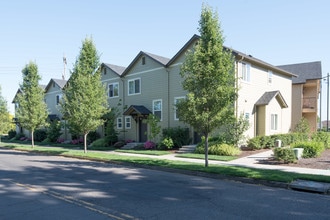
(321, 162)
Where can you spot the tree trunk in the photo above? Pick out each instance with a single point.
(32, 137)
(206, 150)
(85, 143)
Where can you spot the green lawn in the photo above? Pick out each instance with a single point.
(211, 157)
(146, 152)
(258, 174)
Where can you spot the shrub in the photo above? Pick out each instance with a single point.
(40, 135)
(284, 154)
(219, 149)
(54, 131)
(102, 142)
(254, 143)
(311, 149)
(11, 134)
(119, 144)
(167, 143)
(179, 136)
(323, 137)
(149, 145)
(19, 136)
(93, 136)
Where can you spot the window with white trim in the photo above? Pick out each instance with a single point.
(134, 86)
(119, 123)
(157, 108)
(176, 101)
(246, 72)
(58, 99)
(270, 77)
(113, 90)
(274, 122)
(128, 123)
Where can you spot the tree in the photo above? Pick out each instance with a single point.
(84, 98)
(5, 122)
(32, 110)
(208, 77)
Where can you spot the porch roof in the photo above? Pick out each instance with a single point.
(268, 96)
(137, 110)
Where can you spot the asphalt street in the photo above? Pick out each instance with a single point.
(36, 186)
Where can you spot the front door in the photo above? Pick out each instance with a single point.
(143, 128)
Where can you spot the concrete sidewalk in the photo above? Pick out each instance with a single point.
(251, 161)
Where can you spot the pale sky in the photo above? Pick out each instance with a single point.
(276, 31)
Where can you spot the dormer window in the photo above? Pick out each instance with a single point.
(143, 60)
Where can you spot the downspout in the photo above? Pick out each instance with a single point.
(124, 123)
(168, 98)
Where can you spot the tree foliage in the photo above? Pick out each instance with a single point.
(5, 119)
(32, 110)
(85, 100)
(208, 76)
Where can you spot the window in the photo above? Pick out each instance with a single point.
(113, 90)
(119, 123)
(157, 108)
(58, 99)
(270, 77)
(246, 72)
(177, 100)
(105, 71)
(143, 60)
(274, 122)
(134, 86)
(247, 116)
(128, 123)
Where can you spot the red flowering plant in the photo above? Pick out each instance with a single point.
(149, 145)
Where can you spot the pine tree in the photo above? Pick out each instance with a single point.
(208, 77)
(85, 99)
(32, 110)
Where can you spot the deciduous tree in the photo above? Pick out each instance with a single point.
(208, 77)
(5, 122)
(84, 98)
(32, 110)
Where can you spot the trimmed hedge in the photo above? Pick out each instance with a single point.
(311, 149)
(284, 154)
(218, 149)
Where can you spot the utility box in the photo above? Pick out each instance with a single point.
(298, 152)
(278, 143)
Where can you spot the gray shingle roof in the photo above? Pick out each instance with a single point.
(268, 96)
(137, 110)
(60, 82)
(304, 71)
(160, 59)
(117, 69)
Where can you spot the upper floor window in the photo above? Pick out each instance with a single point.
(143, 61)
(270, 77)
(274, 122)
(119, 123)
(105, 71)
(58, 99)
(177, 100)
(134, 86)
(157, 108)
(246, 72)
(113, 90)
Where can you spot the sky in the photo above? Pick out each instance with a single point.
(278, 32)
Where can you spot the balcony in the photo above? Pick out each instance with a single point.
(309, 105)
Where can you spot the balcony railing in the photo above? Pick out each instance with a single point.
(309, 104)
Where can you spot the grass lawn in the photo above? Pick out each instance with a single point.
(258, 174)
(211, 157)
(146, 152)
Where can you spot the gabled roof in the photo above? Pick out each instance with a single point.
(159, 59)
(117, 69)
(137, 110)
(267, 97)
(239, 56)
(193, 39)
(304, 71)
(60, 82)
